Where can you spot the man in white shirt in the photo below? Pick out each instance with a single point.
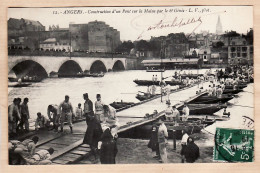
(41, 157)
(186, 112)
(184, 141)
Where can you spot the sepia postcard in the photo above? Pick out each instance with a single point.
(153, 85)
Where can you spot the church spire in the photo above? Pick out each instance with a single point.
(219, 27)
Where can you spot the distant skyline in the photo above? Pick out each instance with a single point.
(136, 26)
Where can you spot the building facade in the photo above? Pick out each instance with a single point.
(54, 45)
(18, 27)
(239, 52)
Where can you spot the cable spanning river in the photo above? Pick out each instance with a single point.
(114, 86)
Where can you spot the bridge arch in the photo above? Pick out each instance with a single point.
(98, 66)
(69, 68)
(29, 68)
(118, 66)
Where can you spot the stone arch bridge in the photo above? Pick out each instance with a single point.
(43, 66)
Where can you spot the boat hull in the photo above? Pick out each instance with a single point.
(203, 109)
(231, 91)
(212, 99)
(150, 82)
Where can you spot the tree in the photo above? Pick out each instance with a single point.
(249, 36)
(125, 47)
(231, 34)
(143, 45)
(219, 44)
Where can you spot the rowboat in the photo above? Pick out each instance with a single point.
(190, 76)
(17, 85)
(119, 105)
(150, 82)
(238, 87)
(155, 70)
(205, 109)
(205, 99)
(145, 96)
(231, 91)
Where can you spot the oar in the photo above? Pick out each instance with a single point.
(128, 117)
(167, 77)
(248, 92)
(127, 93)
(243, 106)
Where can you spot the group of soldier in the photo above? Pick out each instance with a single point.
(23, 153)
(18, 116)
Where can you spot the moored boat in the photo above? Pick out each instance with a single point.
(205, 99)
(150, 82)
(144, 96)
(155, 70)
(207, 109)
(119, 105)
(238, 87)
(18, 85)
(231, 91)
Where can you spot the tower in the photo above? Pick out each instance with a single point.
(219, 27)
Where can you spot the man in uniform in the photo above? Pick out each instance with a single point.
(186, 112)
(99, 111)
(41, 121)
(26, 149)
(25, 116)
(55, 117)
(65, 109)
(13, 117)
(41, 157)
(219, 92)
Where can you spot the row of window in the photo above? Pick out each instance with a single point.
(238, 49)
(234, 55)
(56, 44)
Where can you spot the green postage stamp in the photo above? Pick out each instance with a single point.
(234, 145)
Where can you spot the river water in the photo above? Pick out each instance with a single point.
(114, 86)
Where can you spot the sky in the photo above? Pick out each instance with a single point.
(135, 23)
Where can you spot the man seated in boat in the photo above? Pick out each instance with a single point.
(210, 91)
(110, 121)
(222, 86)
(214, 90)
(219, 92)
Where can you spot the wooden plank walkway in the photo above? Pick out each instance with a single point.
(68, 148)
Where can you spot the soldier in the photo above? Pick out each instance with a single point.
(41, 121)
(99, 111)
(55, 117)
(41, 157)
(25, 116)
(26, 149)
(65, 109)
(186, 112)
(13, 117)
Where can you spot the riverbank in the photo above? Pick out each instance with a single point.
(135, 151)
